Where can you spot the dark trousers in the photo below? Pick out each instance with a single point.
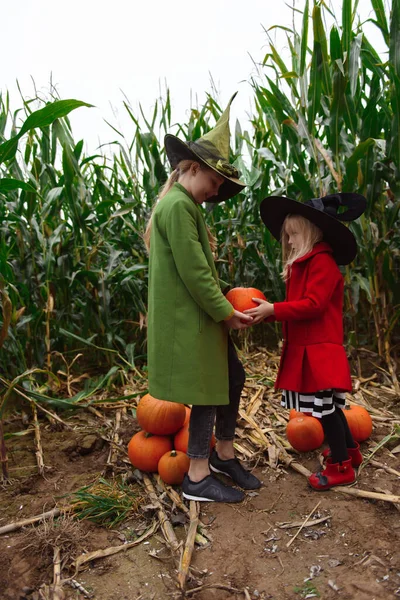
(202, 418)
(338, 435)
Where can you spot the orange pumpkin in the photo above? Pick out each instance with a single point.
(295, 413)
(181, 439)
(187, 417)
(360, 422)
(145, 450)
(172, 467)
(160, 417)
(241, 298)
(305, 433)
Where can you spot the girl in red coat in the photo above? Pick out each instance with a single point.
(314, 373)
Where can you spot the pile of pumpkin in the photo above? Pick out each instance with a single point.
(162, 444)
(305, 432)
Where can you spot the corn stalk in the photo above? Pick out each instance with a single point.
(71, 249)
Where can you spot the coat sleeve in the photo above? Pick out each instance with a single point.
(323, 277)
(270, 319)
(191, 262)
(224, 287)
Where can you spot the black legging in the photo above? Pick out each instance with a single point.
(202, 418)
(338, 435)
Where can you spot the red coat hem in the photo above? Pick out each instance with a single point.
(309, 369)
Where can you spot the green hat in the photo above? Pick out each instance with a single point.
(213, 150)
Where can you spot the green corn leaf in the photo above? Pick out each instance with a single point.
(335, 45)
(320, 39)
(371, 58)
(304, 38)
(347, 21)
(8, 185)
(355, 52)
(364, 284)
(40, 118)
(336, 111)
(10, 435)
(381, 20)
(280, 101)
(10, 386)
(350, 182)
(315, 88)
(88, 343)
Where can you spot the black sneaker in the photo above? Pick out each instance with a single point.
(233, 469)
(210, 489)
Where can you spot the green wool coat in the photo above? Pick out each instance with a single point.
(187, 340)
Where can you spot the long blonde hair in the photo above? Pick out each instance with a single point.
(310, 234)
(181, 168)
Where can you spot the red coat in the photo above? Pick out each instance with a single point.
(313, 356)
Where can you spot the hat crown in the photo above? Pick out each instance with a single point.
(219, 136)
(330, 205)
(213, 147)
(212, 150)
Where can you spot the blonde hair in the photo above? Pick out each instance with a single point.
(310, 235)
(181, 168)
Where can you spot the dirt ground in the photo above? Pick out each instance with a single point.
(355, 554)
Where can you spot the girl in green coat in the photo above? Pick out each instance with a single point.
(191, 358)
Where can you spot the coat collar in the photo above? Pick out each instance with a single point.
(184, 190)
(318, 249)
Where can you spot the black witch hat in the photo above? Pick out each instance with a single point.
(324, 213)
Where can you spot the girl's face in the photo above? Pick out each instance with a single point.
(204, 184)
(295, 236)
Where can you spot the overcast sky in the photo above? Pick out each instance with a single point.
(97, 51)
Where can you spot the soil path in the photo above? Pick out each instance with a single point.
(355, 554)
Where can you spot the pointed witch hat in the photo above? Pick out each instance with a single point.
(213, 150)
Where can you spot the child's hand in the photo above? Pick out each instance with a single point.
(239, 321)
(264, 309)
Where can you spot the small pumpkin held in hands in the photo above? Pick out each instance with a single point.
(305, 433)
(146, 449)
(160, 417)
(360, 422)
(172, 467)
(241, 298)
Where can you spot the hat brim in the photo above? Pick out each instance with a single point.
(275, 209)
(178, 150)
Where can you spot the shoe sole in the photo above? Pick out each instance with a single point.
(197, 498)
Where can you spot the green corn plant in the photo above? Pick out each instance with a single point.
(71, 251)
(70, 247)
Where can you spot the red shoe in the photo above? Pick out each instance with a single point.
(354, 454)
(333, 474)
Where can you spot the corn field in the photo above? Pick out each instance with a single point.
(72, 262)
